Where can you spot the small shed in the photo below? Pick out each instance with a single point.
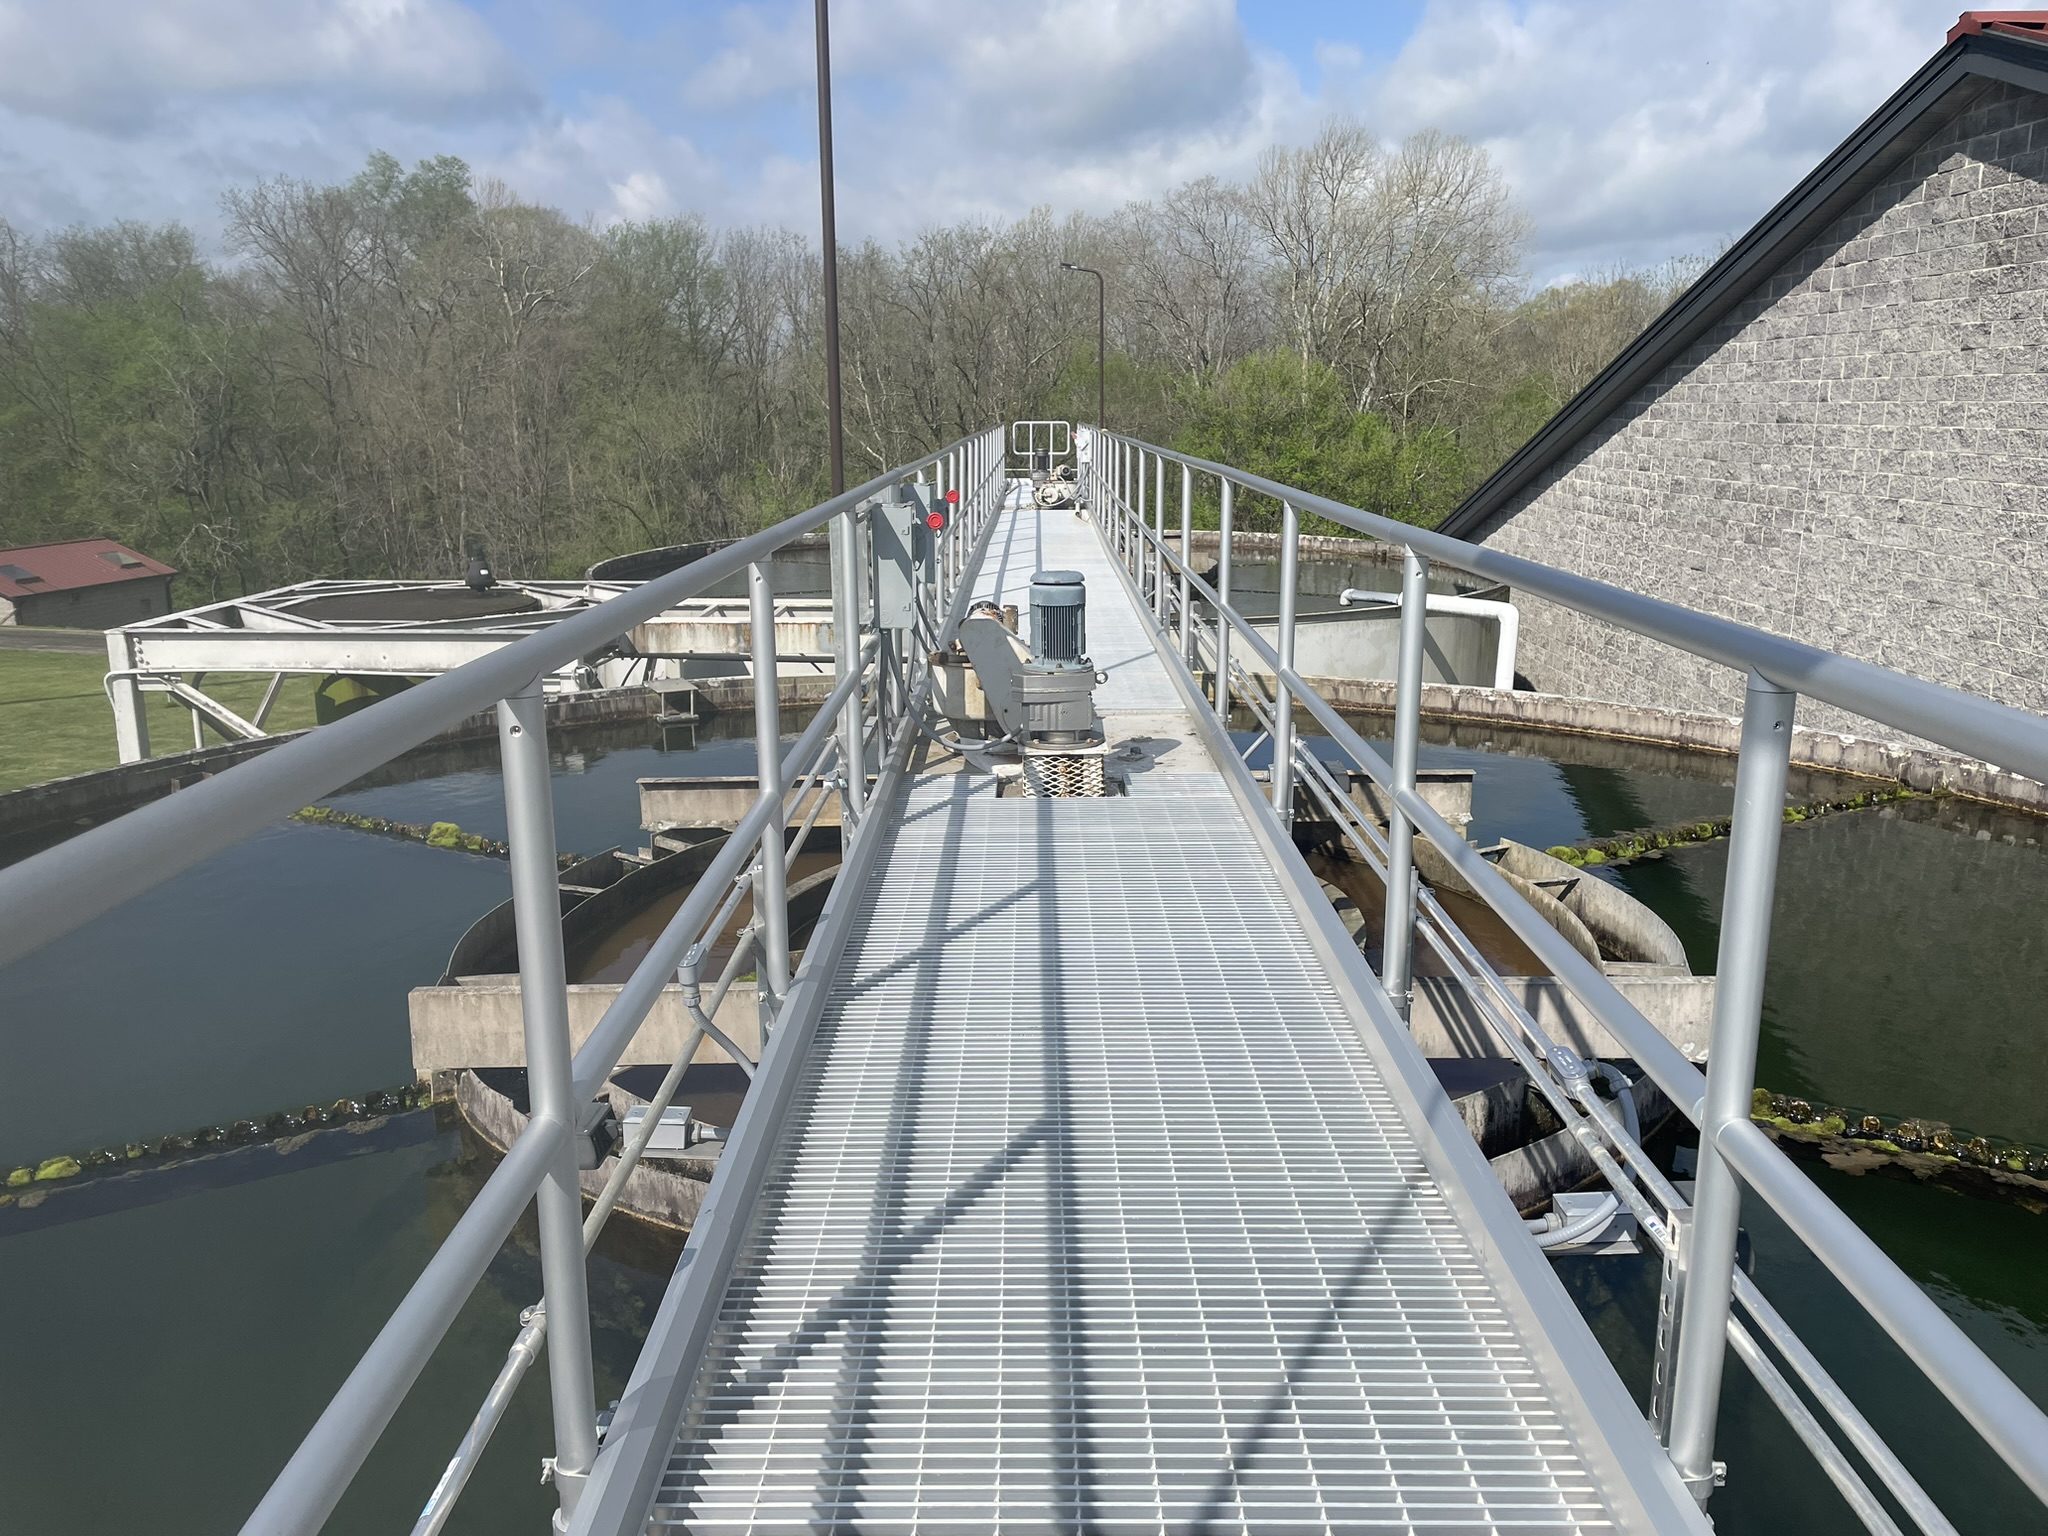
(81, 584)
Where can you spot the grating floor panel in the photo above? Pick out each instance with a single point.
(1031, 540)
(1091, 1213)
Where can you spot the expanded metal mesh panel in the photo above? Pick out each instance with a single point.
(1064, 775)
(1091, 1213)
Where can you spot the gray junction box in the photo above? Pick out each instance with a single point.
(897, 524)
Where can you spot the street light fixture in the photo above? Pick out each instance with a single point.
(1101, 340)
(835, 428)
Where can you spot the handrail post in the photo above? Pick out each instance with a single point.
(939, 573)
(550, 1080)
(1159, 606)
(771, 901)
(955, 477)
(1283, 697)
(1187, 558)
(1226, 497)
(1132, 562)
(1397, 951)
(1750, 886)
(853, 758)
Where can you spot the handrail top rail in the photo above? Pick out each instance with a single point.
(60, 889)
(2001, 734)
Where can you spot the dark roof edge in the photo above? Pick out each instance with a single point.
(1837, 181)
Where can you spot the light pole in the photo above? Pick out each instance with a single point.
(1101, 338)
(835, 428)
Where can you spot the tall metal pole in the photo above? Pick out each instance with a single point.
(1101, 343)
(1226, 494)
(1283, 697)
(771, 895)
(550, 1081)
(1750, 886)
(834, 424)
(1397, 962)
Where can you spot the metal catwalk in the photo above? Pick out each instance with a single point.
(1092, 1210)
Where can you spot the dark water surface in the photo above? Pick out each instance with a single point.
(161, 1363)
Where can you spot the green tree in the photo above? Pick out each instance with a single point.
(1290, 420)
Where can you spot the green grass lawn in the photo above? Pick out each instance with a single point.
(55, 719)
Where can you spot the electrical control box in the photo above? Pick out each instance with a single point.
(897, 525)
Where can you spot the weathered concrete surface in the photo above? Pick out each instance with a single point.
(1530, 1154)
(1444, 1022)
(666, 1193)
(479, 1025)
(42, 814)
(715, 639)
(1919, 767)
(49, 812)
(1447, 791)
(1626, 929)
(714, 801)
(1365, 641)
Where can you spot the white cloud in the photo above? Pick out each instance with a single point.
(956, 108)
(1636, 132)
(119, 66)
(606, 161)
(1630, 132)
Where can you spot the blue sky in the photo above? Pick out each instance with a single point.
(1629, 132)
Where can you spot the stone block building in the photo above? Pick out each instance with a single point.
(1840, 433)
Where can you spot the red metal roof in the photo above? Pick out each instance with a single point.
(72, 564)
(2032, 25)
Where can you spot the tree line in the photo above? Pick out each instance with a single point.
(377, 377)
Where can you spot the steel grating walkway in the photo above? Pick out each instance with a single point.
(1118, 642)
(1091, 1212)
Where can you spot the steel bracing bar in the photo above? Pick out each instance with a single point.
(51, 893)
(1592, 1125)
(1997, 733)
(621, 1020)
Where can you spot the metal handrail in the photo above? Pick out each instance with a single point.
(55, 892)
(51, 893)
(1997, 733)
(622, 1481)
(307, 1489)
(2008, 1421)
